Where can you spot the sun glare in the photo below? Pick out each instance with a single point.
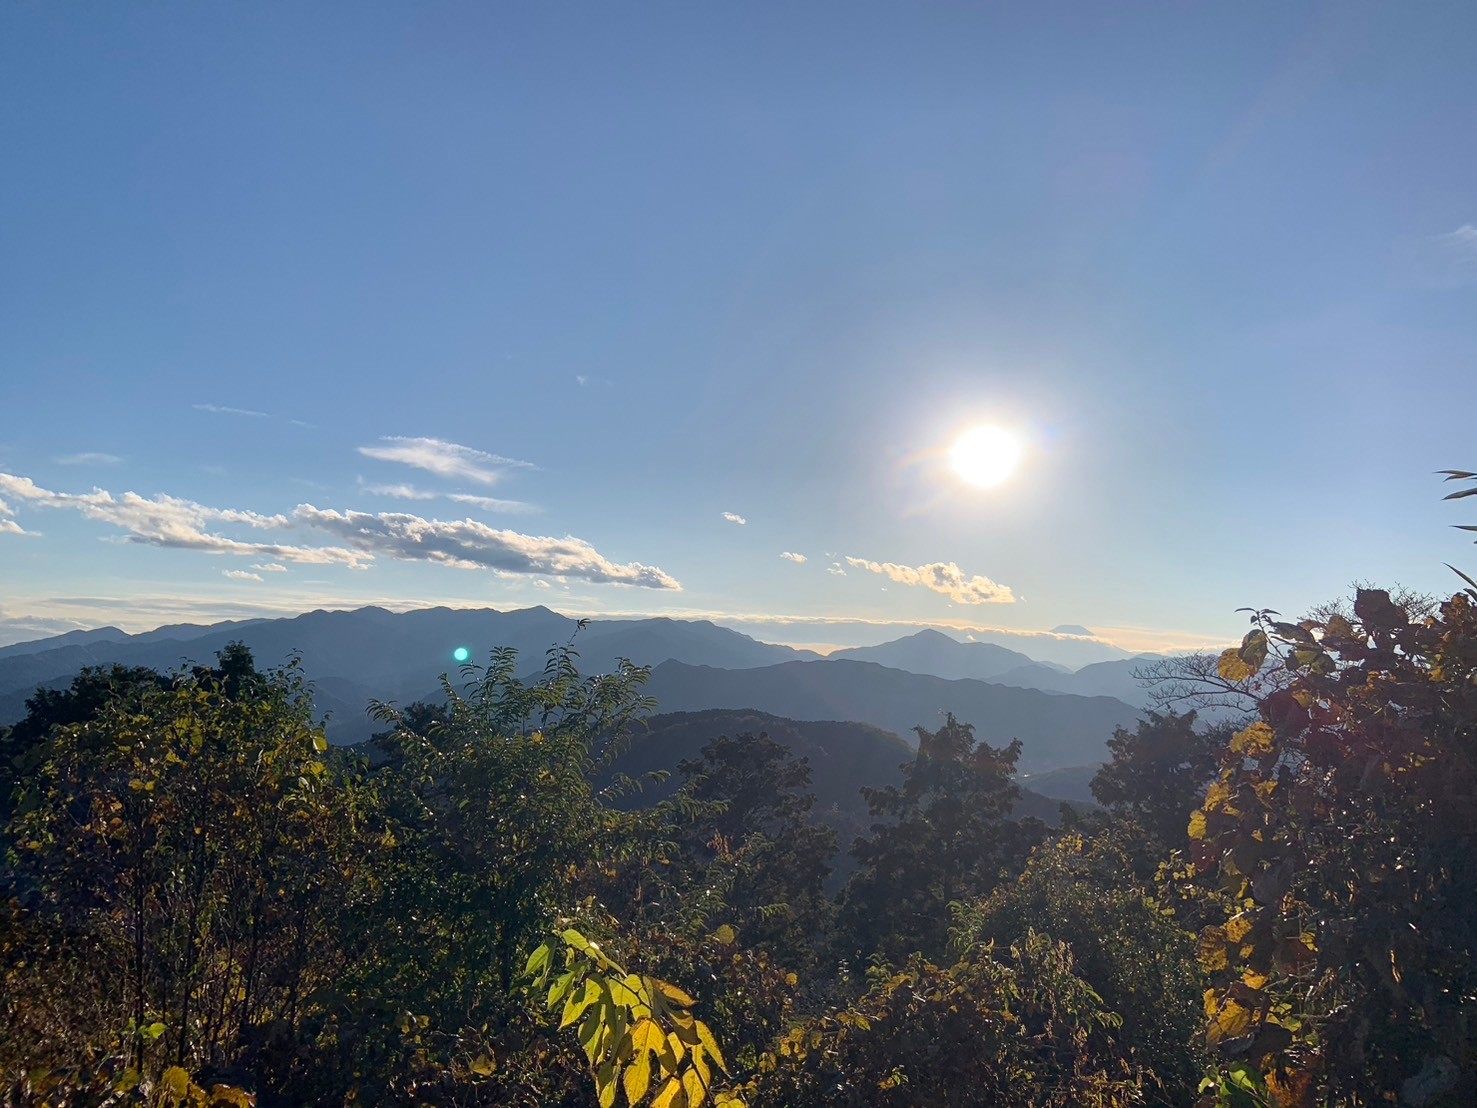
(985, 456)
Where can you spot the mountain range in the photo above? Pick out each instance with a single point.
(1062, 717)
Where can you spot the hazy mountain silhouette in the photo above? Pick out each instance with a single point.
(352, 656)
(57, 642)
(1055, 730)
(935, 653)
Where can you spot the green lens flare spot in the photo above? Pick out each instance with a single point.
(461, 654)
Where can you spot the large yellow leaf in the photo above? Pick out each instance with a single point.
(637, 1078)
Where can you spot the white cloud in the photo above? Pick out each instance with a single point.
(581, 380)
(222, 409)
(835, 570)
(542, 584)
(491, 503)
(240, 575)
(445, 459)
(11, 527)
(399, 492)
(170, 522)
(486, 503)
(89, 458)
(791, 556)
(734, 517)
(167, 521)
(467, 544)
(944, 578)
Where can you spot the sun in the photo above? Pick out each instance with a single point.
(985, 456)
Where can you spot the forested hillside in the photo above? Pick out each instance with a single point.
(539, 894)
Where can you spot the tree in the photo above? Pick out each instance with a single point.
(942, 836)
(760, 829)
(1159, 772)
(1342, 829)
(1013, 1028)
(185, 840)
(1125, 946)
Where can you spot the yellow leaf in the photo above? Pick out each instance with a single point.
(1237, 928)
(710, 1044)
(637, 1078)
(693, 1086)
(1256, 740)
(1232, 668)
(1233, 1020)
(1210, 949)
(1217, 795)
(670, 1095)
(725, 936)
(646, 1036)
(605, 1083)
(1196, 829)
(174, 1083)
(673, 993)
(1253, 980)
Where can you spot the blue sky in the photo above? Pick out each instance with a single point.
(634, 267)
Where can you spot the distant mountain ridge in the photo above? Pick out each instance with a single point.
(1055, 729)
(353, 656)
(932, 652)
(369, 653)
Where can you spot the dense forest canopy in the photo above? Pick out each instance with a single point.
(203, 902)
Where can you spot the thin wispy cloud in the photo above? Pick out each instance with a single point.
(445, 459)
(734, 517)
(399, 492)
(240, 575)
(467, 544)
(791, 556)
(944, 578)
(88, 458)
(491, 503)
(1447, 260)
(225, 409)
(835, 570)
(486, 503)
(25, 628)
(270, 567)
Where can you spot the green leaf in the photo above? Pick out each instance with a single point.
(538, 961)
(575, 1006)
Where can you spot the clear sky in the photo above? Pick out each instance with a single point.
(280, 282)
